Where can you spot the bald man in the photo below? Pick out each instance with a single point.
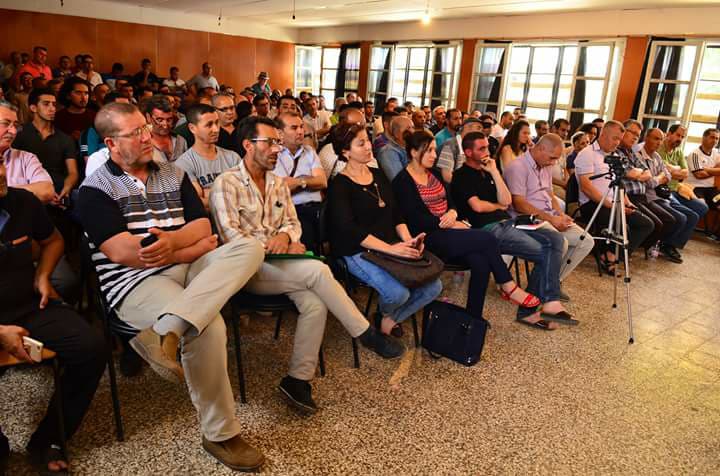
(392, 157)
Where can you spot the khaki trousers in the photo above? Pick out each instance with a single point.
(312, 287)
(584, 247)
(196, 292)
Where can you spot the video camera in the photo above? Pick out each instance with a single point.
(618, 165)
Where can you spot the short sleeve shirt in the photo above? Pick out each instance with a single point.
(204, 171)
(52, 152)
(24, 168)
(307, 161)
(524, 177)
(673, 157)
(28, 221)
(698, 160)
(591, 161)
(467, 183)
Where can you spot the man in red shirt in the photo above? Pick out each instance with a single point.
(36, 66)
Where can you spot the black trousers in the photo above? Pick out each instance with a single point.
(477, 249)
(707, 194)
(309, 216)
(663, 217)
(639, 225)
(83, 353)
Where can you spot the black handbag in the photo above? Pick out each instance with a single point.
(663, 191)
(411, 273)
(450, 331)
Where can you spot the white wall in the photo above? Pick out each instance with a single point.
(661, 21)
(153, 16)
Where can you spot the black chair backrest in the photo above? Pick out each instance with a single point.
(572, 192)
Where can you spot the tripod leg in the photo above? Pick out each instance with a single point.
(586, 231)
(626, 257)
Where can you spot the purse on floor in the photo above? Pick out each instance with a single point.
(411, 273)
(450, 331)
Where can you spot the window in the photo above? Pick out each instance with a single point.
(379, 76)
(422, 74)
(547, 80)
(307, 69)
(352, 70)
(328, 76)
(705, 112)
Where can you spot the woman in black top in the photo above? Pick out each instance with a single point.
(428, 207)
(363, 216)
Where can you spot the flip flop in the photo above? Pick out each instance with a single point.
(562, 317)
(541, 324)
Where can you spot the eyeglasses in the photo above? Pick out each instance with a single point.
(225, 109)
(271, 141)
(8, 124)
(136, 133)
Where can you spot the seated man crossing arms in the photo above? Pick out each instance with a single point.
(250, 201)
(173, 289)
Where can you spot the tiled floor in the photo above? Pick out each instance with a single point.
(575, 401)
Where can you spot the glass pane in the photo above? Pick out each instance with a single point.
(351, 80)
(447, 60)
(596, 60)
(304, 57)
(560, 114)
(484, 87)
(398, 84)
(415, 83)
(378, 56)
(329, 95)
(563, 96)
(673, 62)
(416, 100)
(707, 102)
(374, 82)
(483, 107)
(304, 78)
(588, 94)
(568, 61)
(401, 57)
(541, 86)
(331, 57)
(662, 124)
(666, 99)
(519, 59)
(328, 78)
(418, 57)
(516, 87)
(352, 58)
(536, 114)
(491, 60)
(711, 63)
(445, 85)
(545, 59)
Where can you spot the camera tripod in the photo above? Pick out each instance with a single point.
(615, 233)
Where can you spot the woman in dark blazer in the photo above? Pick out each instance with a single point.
(428, 208)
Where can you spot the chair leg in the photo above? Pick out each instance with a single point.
(517, 272)
(527, 272)
(356, 354)
(238, 356)
(114, 394)
(415, 331)
(59, 403)
(277, 325)
(321, 362)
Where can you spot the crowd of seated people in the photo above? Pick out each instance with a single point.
(229, 184)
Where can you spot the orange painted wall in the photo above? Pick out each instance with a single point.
(466, 74)
(236, 59)
(630, 76)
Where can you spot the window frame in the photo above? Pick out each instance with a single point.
(479, 47)
(314, 77)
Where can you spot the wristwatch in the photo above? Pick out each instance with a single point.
(303, 184)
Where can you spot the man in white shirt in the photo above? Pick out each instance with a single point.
(504, 124)
(304, 175)
(88, 72)
(176, 85)
(704, 166)
(316, 125)
(205, 79)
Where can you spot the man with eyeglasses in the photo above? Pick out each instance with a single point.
(298, 164)
(173, 289)
(167, 145)
(452, 156)
(23, 169)
(250, 201)
(487, 126)
(205, 161)
(225, 106)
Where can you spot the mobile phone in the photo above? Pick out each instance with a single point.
(34, 348)
(148, 240)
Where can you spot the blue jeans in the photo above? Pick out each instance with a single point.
(543, 247)
(698, 206)
(396, 301)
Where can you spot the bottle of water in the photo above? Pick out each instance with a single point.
(458, 278)
(654, 251)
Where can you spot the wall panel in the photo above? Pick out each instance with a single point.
(185, 49)
(126, 43)
(275, 57)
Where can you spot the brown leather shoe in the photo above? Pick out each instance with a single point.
(234, 453)
(160, 352)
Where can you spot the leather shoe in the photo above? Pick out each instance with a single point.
(160, 352)
(234, 453)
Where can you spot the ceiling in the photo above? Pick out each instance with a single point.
(323, 13)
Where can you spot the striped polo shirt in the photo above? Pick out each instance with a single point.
(113, 202)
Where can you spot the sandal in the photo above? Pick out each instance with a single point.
(541, 324)
(397, 331)
(530, 301)
(607, 266)
(40, 459)
(562, 317)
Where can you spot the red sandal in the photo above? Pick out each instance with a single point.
(530, 301)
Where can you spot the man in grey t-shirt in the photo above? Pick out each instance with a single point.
(204, 161)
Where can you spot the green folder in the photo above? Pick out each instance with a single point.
(306, 255)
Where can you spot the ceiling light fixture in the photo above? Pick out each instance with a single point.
(220, 17)
(425, 19)
(293, 10)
